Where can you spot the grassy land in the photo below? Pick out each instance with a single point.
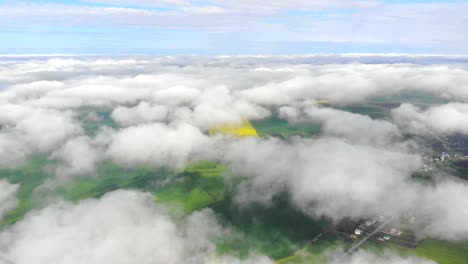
(29, 177)
(442, 252)
(411, 97)
(195, 187)
(93, 119)
(373, 111)
(198, 186)
(277, 230)
(111, 177)
(277, 126)
(313, 253)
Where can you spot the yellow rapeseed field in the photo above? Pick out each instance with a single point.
(244, 129)
(322, 102)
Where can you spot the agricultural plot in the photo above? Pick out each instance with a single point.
(373, 111)
(244, 129)
(29, 177)
(313, 253)
(111, 177)
(379, 107)
(198, 186)
(275, 126)
(278, 230)
(411, 97)
(92, 121)
(442, 252)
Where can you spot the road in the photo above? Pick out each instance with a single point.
(359, 243)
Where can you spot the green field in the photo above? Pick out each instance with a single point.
(442, 252)
(373, 111)
(195, 188)
(313, 253)
(410, 97)
(275, 126)
(198, 186)
(29, 177)
(277, 230)
(90, 125)
(111, 177)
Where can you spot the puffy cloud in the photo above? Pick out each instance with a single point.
(208, 82)
(177, 95)
(356, 167)
(78, 157)
(142, 113)
(26, 130)
(7, 197)
(326, 176)
(336, 178)
(450, 118)
(442, 207)
(157, 144)
(357, 82)
(13, 152)
(121, 227)
(345, 124)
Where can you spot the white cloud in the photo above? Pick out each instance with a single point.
(121, 227)
(142, 113)
(353, 168)
(77, 157)
(334, 178)
(258, 5)
(450, 118)
(177, 95)
(209, 82)
(8, 199)
(373, 24)
(443, 205)
(157, 144)
(345, 125)
(13, 152)
(205, 10)
(26, 130)
(325, 176)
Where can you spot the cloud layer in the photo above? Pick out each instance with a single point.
(121, 227)
(156, 111)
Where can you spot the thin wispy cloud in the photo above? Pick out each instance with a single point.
(213, 26)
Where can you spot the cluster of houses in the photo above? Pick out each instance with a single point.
(390, 233)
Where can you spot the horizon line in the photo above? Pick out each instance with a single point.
(345, 54)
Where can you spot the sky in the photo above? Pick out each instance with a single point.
(170, 27)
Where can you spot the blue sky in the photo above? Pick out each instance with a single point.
(233, 26)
